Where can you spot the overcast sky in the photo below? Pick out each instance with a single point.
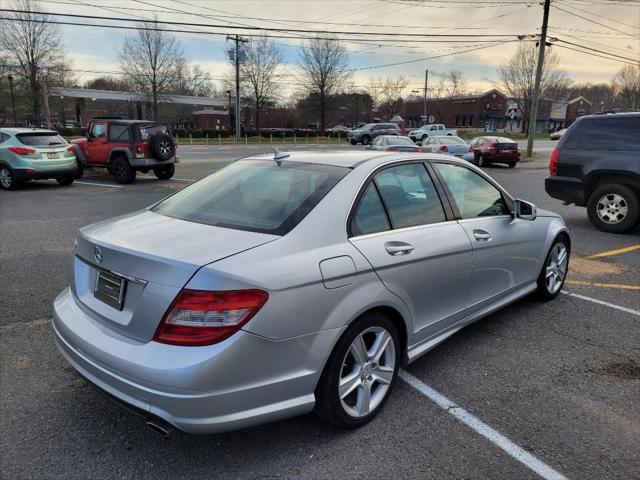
(611, 26)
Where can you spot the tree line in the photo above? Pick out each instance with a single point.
(153, 64)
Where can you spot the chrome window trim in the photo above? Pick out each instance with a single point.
(401, 230)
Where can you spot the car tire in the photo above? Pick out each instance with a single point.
(614, 208)
(348, 410)
(122, 172)
(480, 161)
(165, 172)
(66, 180)
(511, 164)
(79, 171)
(162, 146)
(353, 142)
(554, 270)
(365, 140)
(7, 178)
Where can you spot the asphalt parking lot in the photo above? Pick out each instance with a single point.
(558, 381)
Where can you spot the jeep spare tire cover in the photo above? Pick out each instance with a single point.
(162, 146)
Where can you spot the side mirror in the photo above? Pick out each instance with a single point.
(88, 135)
(524, 210)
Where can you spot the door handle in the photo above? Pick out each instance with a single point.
(398, 248)
(482, 235)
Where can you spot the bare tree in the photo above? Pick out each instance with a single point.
(259, 74)
(193, 81)
(387, 93)
(626, 85)
(517, 78)
(34, 49)
(449, 87)
(153, 61)
(324, 65)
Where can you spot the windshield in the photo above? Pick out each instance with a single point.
(255, 195)
(41, 139)
(451, 141)
(400, 141)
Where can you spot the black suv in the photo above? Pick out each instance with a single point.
(596, 165)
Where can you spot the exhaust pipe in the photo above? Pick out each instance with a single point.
(159, 426)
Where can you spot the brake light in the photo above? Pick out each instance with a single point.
(391, 149)
(198, 317)
(553, 162)
(470, 149)
(22, 150)
(70, 149)
(492, 147)
(443, 148)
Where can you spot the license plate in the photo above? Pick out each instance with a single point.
(110, 289)
(52, 155)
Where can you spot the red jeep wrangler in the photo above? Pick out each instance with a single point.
(126, 146)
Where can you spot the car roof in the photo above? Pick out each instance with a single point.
(16, 130)
(353, 159)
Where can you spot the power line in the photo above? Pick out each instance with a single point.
(608, 18)
(595, 55)
(267, 29)
(593, 21)
(597, 51)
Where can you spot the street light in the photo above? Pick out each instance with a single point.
(13, 101)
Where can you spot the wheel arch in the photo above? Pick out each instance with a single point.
(604, 177)
(120, 153)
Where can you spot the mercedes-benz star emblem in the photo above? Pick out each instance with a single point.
(97, 254)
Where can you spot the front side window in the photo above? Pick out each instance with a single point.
(473, 194)
(409, 195)
(369, 216)
(99, 130)
(255, 195)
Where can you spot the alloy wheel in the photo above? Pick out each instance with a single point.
(612, 208)
(165, 149)
(367, 372)
(556, 268)
(6, 179)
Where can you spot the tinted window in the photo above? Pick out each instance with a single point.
(255, 195)
(369, 216)
(148, 130)
(451, 141)
(3, 137)
(474, 195)
(399, 141)
(409, 195)
(41, 139)
(119, 133)
(614, 133)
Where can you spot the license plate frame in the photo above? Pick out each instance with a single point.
(53, 156)
(110, 289)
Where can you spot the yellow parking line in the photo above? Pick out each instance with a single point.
(610, 253)
(603, 285)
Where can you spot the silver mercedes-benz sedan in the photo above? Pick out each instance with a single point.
(285, 284)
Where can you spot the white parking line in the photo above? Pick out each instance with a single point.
(99, 184)
(607, 304)
(183, 180)
(521, 455)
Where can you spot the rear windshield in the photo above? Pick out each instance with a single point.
(451, 141)
(399, 141)
(503, 140)
(255, 195)
(41, 139)
(147, 130)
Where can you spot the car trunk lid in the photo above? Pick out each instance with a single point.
(128, 270)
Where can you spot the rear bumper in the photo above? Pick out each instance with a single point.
(245, 380)
(151, 162)
(22, 175)
(501, 158)
(568, 189)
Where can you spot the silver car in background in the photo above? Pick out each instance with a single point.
(448, 145)
(282, 285)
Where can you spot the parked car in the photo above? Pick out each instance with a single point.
(125, 147)
(431, 130)
(34, 154)
(452, 145)
(557, 135)
(339, 129)
(393, 143)
(368, 132)
(489, 149)
(284, 284)
(596, 165)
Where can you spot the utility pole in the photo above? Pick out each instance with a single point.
(536, 88)
(426, 81)
(47, 113)
(237, 40)
(13, 100)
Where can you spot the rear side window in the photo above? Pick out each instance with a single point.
(612, 134)
(255, 195)
(369, 216)
(409, 195)
(119, 133)
(3, 137)
(41, 139)
(147, 130)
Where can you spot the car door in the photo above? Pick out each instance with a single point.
(97, 148)
(504, 248)
(420, 254)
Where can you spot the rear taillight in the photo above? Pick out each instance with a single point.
(391, 149)
(198, 317)
(417, 149)
(492, 147)
(470, 149)
(22, 150)
(443, 148)
(70, 149)
(553, 162)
